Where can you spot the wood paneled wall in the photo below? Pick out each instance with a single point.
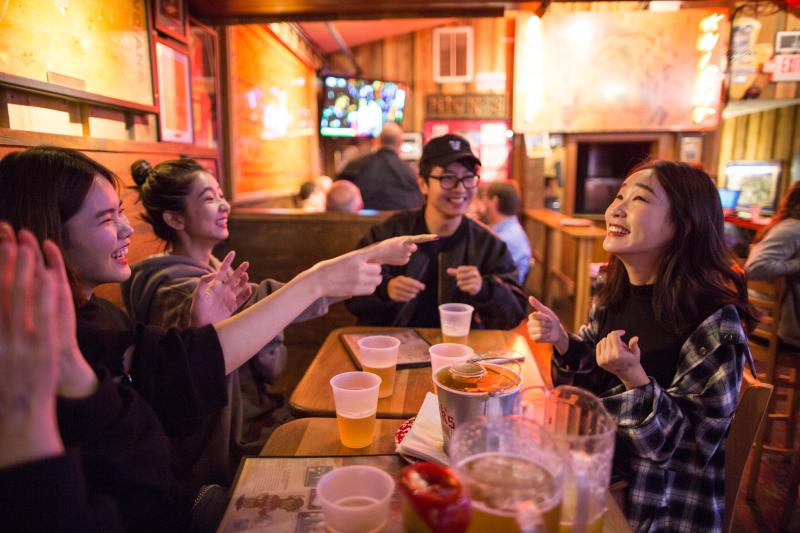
(771, 135)
(409, 58)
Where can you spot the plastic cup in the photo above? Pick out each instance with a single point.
(585, 432)
(448, 353)
(355, 499)
(355, 395)
(378, 354)
(455, 319)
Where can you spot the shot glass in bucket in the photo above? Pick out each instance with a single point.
(456, 320)
(585, 432)
(355, 395)
(378, 354)
(513, 473)
(355, 499)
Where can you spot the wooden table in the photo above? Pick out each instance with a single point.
(320, 436)
(585, 239)
(313, 396)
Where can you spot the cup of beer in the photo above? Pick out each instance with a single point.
(513, 473)
(355, 395)
(355, 498)
(378, 354)
(585, 432)
(448, 353)
(455, 320)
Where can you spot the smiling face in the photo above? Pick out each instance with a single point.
(453, 203)
(97, 238)
(638, 220)
(205, 217)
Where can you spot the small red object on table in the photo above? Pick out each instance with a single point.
(434, 500)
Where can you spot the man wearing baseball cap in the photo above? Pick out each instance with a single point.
(468, 264)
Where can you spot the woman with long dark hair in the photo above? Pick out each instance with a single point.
(186, 208)
(775, 254)
(65, 196)
(665, 345)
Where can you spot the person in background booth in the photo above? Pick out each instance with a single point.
(344, 197)
(65, 196)
(776, 253)
(502, 207)
(185, 206)
(665, 347)
(467, 264)
(311, 197)
(386, 181)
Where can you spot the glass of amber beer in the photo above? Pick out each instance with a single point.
(378, 354)
(513, 473)
(584, 432)
(355, 395)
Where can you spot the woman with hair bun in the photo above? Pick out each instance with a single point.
(185, 206)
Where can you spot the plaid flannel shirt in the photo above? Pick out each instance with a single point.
(673, 439)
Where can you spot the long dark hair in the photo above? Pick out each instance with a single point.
(43, 187)
(164, 188)
(789, 208)
(696, 270)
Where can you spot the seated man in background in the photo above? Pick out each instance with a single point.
(311, 197)
(344, 197)
(386, 181)
(502, 206)
(467, 264)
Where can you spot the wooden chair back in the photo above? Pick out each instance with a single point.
(754, 398)
(766, 296)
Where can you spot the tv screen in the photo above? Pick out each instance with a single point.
(353, 107)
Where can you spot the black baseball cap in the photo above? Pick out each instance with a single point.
(441, 151)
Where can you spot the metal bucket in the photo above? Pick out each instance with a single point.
(459, 401)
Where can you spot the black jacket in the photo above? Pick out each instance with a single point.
(386, 182)
(499, 305)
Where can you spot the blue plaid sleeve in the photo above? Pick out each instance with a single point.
(685, 424)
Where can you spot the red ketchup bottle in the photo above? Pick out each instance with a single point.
(433, 500)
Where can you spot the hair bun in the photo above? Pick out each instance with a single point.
(140, 169)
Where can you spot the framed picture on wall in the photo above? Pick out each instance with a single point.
(691, 149)
(204, 53)
(174, 93)
(170, 18)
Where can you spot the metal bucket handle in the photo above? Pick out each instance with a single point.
(492, 357)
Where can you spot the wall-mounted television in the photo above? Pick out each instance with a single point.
(757, 180)
(355, 107)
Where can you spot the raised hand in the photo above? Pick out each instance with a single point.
(403, 288)
(219, 294)
(28, 353)
(622, 360)
(468, 278)
(395, 251)
(544, 326)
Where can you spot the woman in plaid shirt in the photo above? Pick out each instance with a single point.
(665, 346)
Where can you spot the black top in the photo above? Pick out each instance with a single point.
(426, 313)
(660, 349)
(114, 475)
(386, 182)
(181, 374)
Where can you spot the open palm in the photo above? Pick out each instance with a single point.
(219, 294)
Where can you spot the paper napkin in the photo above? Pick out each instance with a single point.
(424, 439)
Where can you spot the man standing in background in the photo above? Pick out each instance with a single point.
(502, 206)
(386, 181)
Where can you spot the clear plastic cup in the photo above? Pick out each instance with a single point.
(355, 499)
(355, 395)
(378, 354)
(448, 353)
(455, 320)
(513, 473)
(585, 432)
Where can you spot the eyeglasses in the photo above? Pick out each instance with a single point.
(451, 181)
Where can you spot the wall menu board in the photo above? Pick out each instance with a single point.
(95, 46)
(619, 71)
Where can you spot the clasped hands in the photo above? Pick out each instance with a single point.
(611, 353)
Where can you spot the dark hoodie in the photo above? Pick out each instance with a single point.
(159, 292)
